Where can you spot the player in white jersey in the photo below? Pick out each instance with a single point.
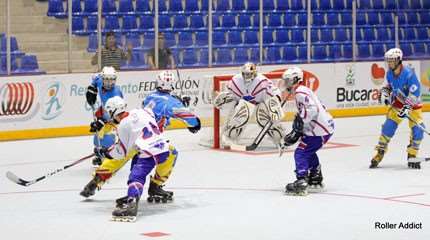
(313, 126)
(247, 91)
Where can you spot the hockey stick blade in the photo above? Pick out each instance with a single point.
(418, 159)
(14, 178)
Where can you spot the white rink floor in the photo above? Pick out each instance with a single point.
(223, 195)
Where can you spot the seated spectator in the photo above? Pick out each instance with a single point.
(165, 57)
(112, 55)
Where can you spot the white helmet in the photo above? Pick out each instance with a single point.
(109, 76)
(249, 71)
(394, 55)
(291, 77)
(165, 81)
(115, 106)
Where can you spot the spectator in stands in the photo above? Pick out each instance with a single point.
(165, 57)
(112, 55)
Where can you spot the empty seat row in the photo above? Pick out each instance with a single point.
(22, 64)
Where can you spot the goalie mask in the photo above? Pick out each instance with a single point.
(290, 79)
(115, 106)
(109, 76)
(249, 72)
(165, 81)
(393, 58)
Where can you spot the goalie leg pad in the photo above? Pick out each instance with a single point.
(277, 131)
(237, 119)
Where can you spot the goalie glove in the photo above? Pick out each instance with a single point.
(274, 108)
(404, 112)
(223, 98)
(295, 134)
(385, 95)
(91, 95)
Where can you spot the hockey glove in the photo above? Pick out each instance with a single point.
(196, 128)
(384, 95)
(97, 125)
(295, 134)
(404, 112)
(298, 124)
(91, 95)
(185, 100)
(102, 153)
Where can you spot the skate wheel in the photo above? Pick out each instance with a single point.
(164, 200)
(157, 200)
(150, 199)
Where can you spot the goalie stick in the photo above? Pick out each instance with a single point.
(14, 178)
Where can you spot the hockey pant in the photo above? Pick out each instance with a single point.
(390, 126)
(305, 155)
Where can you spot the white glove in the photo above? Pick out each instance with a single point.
(404, 112)
(223, 98)
(385, 95)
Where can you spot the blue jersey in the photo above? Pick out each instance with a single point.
(166, 106)
(405, 87)
(105, 94)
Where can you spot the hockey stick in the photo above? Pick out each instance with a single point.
(419, 159)
(14, 178)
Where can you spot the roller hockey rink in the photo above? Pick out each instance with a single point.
(224, 195)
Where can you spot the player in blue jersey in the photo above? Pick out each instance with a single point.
(166, 106)
(102, 84)
(403, 96)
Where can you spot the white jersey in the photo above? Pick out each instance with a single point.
(317, 121)
(139, 131)
(257, 91)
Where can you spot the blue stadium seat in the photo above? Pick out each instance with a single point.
(234, 38)
(282, 36)
(273, 55)
(412, 18)
(297, 35)
(268, 5)
(315, 36)
(302, 19)
(378, 50)
(109, 7)
(327, 35)
(390, 5)
(142, 6)
(283, 5)
(382, 34)
(390, 45)
(215, 21)
(275, 20)
(223, 56)
(290, 54)
(241, 55)
(192, 6)
(256, 21)
(426, 4)
(222, 5)
(92, 43)
(332, 19)
(378, 4)
(425, 17)
(318, 19)
(267, 37)
(403, 4)
(407, 34)
(369, 34)
(125, 7)
(325, 5)
(348, 5)
(422, 33)
(164, 21)
(239, 5)
(135, 60)
(129, 23)
(133, 39)
(13, 45)
(296, 4)
(359, 34)
(290, 19)
(201, 39)
(387, 18)
(218, 38)
(319, 53)
(146, 23)
(363, 51)
(29, 64)
(148, 40)
(361, 18)
(185, 39)
(342, 35)
(111, 24)
(169, 39)
(204, 5)
(347, 51)
(76, 7)
(162, 7)
(402, 18)
(244, 21)
(78, 25)
(228, 21)
(335, 52)
(373, 18)
(92, 24)
(254, 55)
(415, 4)
(189, 57)
(338, 4)
(346, 18)
(303, 53)
(364, 4)
(419, 49)
(175, 6)
(56, 9)
(197, 22)
(13, 65)
(180, 21)
(251, 37)
(203, 57)
(407, 49)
